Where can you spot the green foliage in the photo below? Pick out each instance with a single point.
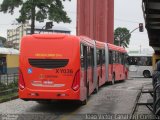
(9, 86)
(9, 5)
(37, 10)
(3, 39)
(122, 37)
(2, 86)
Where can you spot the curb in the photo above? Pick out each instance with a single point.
(9, 99)
(5, 92)
(135, 104)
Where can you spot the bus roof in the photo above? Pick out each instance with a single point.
(87, 40)
(116, 48)
(100, 44)
(51, 36)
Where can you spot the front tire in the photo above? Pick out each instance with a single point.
(146, 74)
(97, 87)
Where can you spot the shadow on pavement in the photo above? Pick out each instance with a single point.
(56, 107)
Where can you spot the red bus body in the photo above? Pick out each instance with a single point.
(117, 68)
(65, 67)
(102, 62)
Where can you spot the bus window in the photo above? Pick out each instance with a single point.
(110, 57)
(133, 60)
(88, 56)
(101, 59)
(92, 62)
(113, 57)
(82, 57)
(123, 58)
(103, 56)
(92, 57)
(116, 57)
(98, 57)
(120, 58)
(85, 65)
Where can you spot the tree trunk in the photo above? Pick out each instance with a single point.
(33, 12)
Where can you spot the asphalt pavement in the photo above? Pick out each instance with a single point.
(111, 102)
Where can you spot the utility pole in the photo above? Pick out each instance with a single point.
(140, 27)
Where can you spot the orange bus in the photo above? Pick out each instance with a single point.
(66, 67)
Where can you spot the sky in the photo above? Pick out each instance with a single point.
(127, 13)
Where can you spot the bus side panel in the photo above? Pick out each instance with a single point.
(119, 71)
(101, 76)
(83, 85)
(110, 72)
(90, 79)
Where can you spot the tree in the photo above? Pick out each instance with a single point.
(122, 37)
(38, 10)
(3, 39)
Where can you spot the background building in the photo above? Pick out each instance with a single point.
(9, 58)
(14, 35)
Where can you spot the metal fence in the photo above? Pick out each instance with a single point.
(8, 81)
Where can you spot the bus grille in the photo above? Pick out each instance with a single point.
(48, 63)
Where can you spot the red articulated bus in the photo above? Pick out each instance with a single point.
(117, 69)
(66, 67)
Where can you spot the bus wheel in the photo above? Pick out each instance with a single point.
(146, 74)
(97, 86)
(113, 79)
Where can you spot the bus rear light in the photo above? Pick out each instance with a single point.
(21, 80)
(76, 81)
(34, 94)
(62, 95)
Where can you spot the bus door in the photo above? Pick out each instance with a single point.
(100, 58)
(84, 63)
(99, 64)
(92, 64)
(90, 68)
(110, 67)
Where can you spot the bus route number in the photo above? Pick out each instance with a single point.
(64, 71)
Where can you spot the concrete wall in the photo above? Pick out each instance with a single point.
(95, 19)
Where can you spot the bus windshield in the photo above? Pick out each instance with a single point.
(140, 60)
